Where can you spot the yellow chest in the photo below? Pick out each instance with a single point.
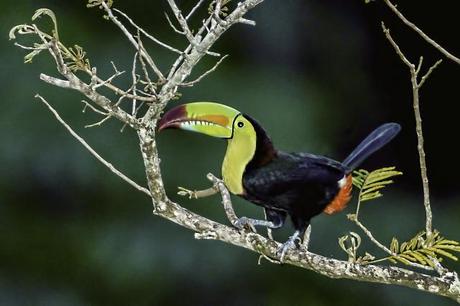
(240, 151)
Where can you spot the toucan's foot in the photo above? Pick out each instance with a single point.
(291, 244)
(245, 222)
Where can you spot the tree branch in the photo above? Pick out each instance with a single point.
(195, 54)
(416, 85)
(130, 37)
(421, 33)
(91, 150)
(447, 284)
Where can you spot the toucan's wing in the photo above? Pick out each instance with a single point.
(291, 178)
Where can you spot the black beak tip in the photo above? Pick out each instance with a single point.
(171, 118)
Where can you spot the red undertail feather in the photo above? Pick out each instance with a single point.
(341, 199)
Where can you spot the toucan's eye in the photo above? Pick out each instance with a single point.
(240, 124)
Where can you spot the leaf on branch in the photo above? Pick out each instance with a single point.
(49, 13)
(423, 249)
(350, 244)
(370, 183)
(29, 56)
(77, 59)
(21, 29)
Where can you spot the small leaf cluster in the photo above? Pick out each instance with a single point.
(370, 183)
(74, 57)
(350, 244)
(423, 249)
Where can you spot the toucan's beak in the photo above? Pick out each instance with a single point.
(208, 118)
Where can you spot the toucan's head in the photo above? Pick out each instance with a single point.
(248, 144)
(212, 119)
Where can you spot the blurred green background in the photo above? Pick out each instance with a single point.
(318, 75)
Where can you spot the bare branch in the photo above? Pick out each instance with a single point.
(194, 9)
(226, 200)
(416, 85)
(386, 31)
(247, 21)
(149, 36)
(183, 23)
(427, 75)
(197, 194)
(171, 24)
(184, 68)
(448, 285)
(99, 123)
(91, 150)
(92, 108)
(201, 77)
(132, 40)
(76, 84)
(134, 77)
(421, 33)
(193, 40)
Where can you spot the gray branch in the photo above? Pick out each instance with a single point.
(421, 33)
(416, 86)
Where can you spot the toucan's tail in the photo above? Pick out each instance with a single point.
(377, 139)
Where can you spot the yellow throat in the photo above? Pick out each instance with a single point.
(240, 150)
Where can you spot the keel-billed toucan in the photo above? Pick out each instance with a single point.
(301, 185)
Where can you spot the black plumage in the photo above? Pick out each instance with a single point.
(302, 185)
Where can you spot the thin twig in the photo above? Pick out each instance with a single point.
(201, 77)
(150, 85)
(421, 33)
(99, 123)
(92, 108)
(91, 150)
(226, 200)
(134, 78)
(132, 40)
(184, 54)
(171, 24)
(183, 23)
(197, 194)
(194, 9)
(427, 75)
(149, 36)
(193, 40)
(369, 234)
(416, 85)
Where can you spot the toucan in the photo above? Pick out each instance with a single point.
(301, 185)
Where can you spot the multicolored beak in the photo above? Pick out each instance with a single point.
(212, 119)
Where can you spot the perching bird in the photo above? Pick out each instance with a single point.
(301, 185)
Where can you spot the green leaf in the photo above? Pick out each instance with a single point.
(370, 184)
(423, 249)
(444, 253)
(394, 246)
(49, 13)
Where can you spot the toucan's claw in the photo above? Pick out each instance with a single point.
(245, 223)
(291, 244)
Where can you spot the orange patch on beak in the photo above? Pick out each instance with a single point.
(217, 119)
